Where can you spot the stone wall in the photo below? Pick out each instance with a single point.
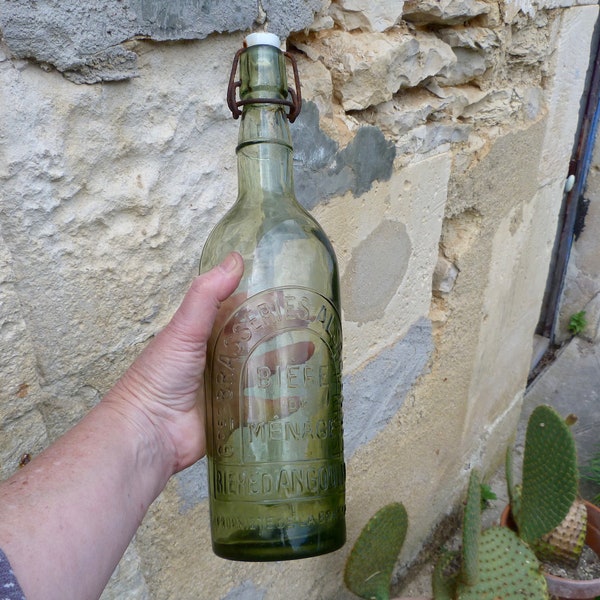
(433, 147)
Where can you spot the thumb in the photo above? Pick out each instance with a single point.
(194, 318)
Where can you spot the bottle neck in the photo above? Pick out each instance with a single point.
(264, 153)
(264, 146)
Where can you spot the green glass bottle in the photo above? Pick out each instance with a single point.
(273, 373)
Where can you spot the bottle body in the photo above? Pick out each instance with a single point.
(273, 372)
(273, 392)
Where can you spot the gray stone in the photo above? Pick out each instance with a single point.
(476, 38)
(192, 485)
(246, 591)
(375, 393)
(528, 45)
(379, 262)
(444, 276)
(323, 171)
(283, 18)
(51, 31)
(407, 110)
(432, 138)
(495, 107)
(127, 581)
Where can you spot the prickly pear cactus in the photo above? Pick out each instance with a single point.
(471, 531)
(564, 544)
(508, 570)
(495, 564)
(371, 562)
(550, 475)
(445, 576)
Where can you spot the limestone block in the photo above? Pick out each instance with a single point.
(411, 108)
(108, 196)
(469, 65)
(366, 15)
(317, 85)
(495, 107)
(432, 138)
(370, 68)
(520, 256)
(528, 43)
(407, 110)
(569, 65)
(513, 8)
(443, 11)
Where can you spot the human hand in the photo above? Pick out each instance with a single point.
(161, 392)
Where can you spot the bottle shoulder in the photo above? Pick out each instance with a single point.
(283, 248)
(245, 228)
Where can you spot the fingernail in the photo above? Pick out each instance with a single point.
(230, 263)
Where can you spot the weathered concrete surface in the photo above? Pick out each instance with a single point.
(51, 31)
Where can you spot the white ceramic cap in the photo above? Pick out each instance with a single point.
(262, 37)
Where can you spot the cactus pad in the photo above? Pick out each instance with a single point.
(445, 576)
(471, 531)
(564, 544)
(550, 474)
(508, 570)
(371, 562)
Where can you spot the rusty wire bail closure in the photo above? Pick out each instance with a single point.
(295, 104)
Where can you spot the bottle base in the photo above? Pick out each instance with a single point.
(280, 546)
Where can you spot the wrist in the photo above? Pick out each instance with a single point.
(151, 447)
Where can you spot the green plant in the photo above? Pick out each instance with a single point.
(492, 564)
(577, 322)
(592, 473)
(545, 507)
(498, 562)
(369, 567)
(487, 495)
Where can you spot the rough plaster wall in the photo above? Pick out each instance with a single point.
(51, 32)
(417, 148)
